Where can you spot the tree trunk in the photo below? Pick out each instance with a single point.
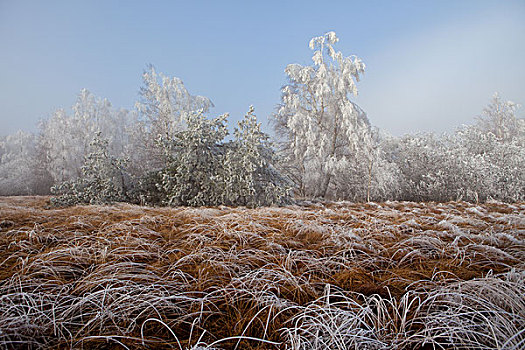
(325, 184)
(369, 180)
(328, 176)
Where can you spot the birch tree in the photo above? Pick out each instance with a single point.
(321, 128)
(163, 107)
(499, 118)
(65, 137)
(164, 101)
(21, 169)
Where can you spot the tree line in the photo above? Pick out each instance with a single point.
(167, 151)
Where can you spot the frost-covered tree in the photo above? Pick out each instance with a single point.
(64, 150)
(369, 174)
(251, 178)
(164, 101)
(65, 137)
(21, 169)
(103, 179)
(322, 129)
(430, 168)
(163, 108)
(194, 164)
(492, 166)
(472, 174)
(202, 169)
(490, 155)
(499, 118)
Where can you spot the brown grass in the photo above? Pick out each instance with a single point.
(335, 275)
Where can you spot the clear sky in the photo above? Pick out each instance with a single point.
(431, 65)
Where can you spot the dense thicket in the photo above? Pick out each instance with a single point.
(168, 152)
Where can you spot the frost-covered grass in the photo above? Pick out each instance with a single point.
(395, 275)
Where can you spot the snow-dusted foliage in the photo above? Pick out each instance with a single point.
(331, 150)
(325, 134)
(494, 165)
(21, 167)
(65, 138)
(328, 148)
(477, 162)
(499, 118)
(165, 101)
(204, 170)
(249, 173)
(174, 154)
(193, 172)
(163, 106)
(369, 175)
(420, 160)
(103, 179)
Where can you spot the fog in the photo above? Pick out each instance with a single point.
(439, 79)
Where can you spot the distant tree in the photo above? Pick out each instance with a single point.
(476, 163)
(322, 129)
(164, 101)
(491, 154)
(21, 169)
(420, 160)
(163, 108)
(499, 118)
(65, 138)
(370, 176)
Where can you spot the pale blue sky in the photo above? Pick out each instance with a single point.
(431, 65)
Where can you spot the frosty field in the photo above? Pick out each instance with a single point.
(395, 275)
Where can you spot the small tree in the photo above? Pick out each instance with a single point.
(193, 175)
(202, 169)
(163, 108)
(250, 176)
(165, 102)
(490, 154)
(102, 180)
(491, 168)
